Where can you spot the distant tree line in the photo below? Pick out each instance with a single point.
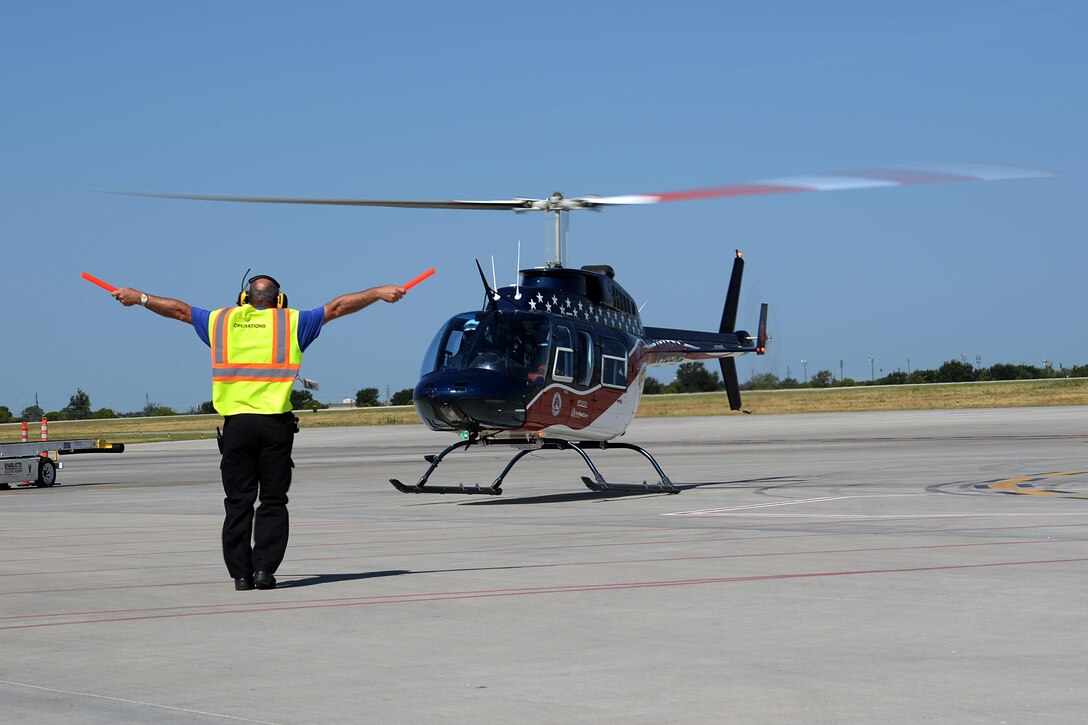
(691, 377)
(694, 377)
(364, 398)
(79, 407)
(368, 397)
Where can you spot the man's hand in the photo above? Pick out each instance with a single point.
(390, 293)
(127, 296)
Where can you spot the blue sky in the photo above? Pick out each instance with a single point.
(482, 100)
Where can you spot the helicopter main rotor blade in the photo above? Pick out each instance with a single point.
(498, 205)
(934, 173)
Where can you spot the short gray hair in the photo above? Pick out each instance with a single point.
(263, 292)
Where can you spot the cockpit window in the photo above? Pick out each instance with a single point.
(450, 342)
(511, 342)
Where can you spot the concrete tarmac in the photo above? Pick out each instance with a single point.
(856, 568)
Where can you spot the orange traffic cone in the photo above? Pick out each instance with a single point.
(24, 483)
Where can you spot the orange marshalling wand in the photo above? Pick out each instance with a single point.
(419, 279)
(108, 287)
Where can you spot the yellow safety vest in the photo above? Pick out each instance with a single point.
(255, 359)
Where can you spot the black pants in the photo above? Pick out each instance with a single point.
(256, 465)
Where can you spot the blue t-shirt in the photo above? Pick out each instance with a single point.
(309, 325)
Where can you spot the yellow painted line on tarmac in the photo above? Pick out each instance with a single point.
(1036, 477)
(1024, 486)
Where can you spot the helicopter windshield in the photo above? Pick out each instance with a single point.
(513, 342)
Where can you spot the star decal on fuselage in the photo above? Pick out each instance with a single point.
(579, 308)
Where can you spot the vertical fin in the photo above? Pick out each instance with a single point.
(732, 383)
(732, 297)
(728, 325)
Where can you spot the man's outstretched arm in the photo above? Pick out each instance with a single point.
(174, 309)
(355, 301)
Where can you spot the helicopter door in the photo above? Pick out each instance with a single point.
(563, 371)
(613, 363)
(584, 362)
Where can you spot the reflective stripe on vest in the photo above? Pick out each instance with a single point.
(253, 367)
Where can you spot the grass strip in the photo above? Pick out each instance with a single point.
(941, 396)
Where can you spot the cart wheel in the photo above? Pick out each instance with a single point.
(47, 473)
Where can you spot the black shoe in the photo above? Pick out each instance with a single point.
(243, 584)
(264, 580)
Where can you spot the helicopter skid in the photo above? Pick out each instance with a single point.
(433, 460)
(597, 483)
(461, 488)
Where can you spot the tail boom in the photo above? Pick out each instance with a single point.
(666, 346)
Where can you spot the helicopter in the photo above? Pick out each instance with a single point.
(558, 360)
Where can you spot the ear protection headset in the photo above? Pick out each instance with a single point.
(246, 294)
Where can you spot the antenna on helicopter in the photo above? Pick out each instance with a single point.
(490, 296)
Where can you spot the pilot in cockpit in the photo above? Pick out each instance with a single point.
(536, 354)
(467, 333)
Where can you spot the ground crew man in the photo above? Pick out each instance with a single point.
(257, 349)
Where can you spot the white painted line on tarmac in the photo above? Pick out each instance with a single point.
(747, 510)
(134, 702)
(714, 512)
